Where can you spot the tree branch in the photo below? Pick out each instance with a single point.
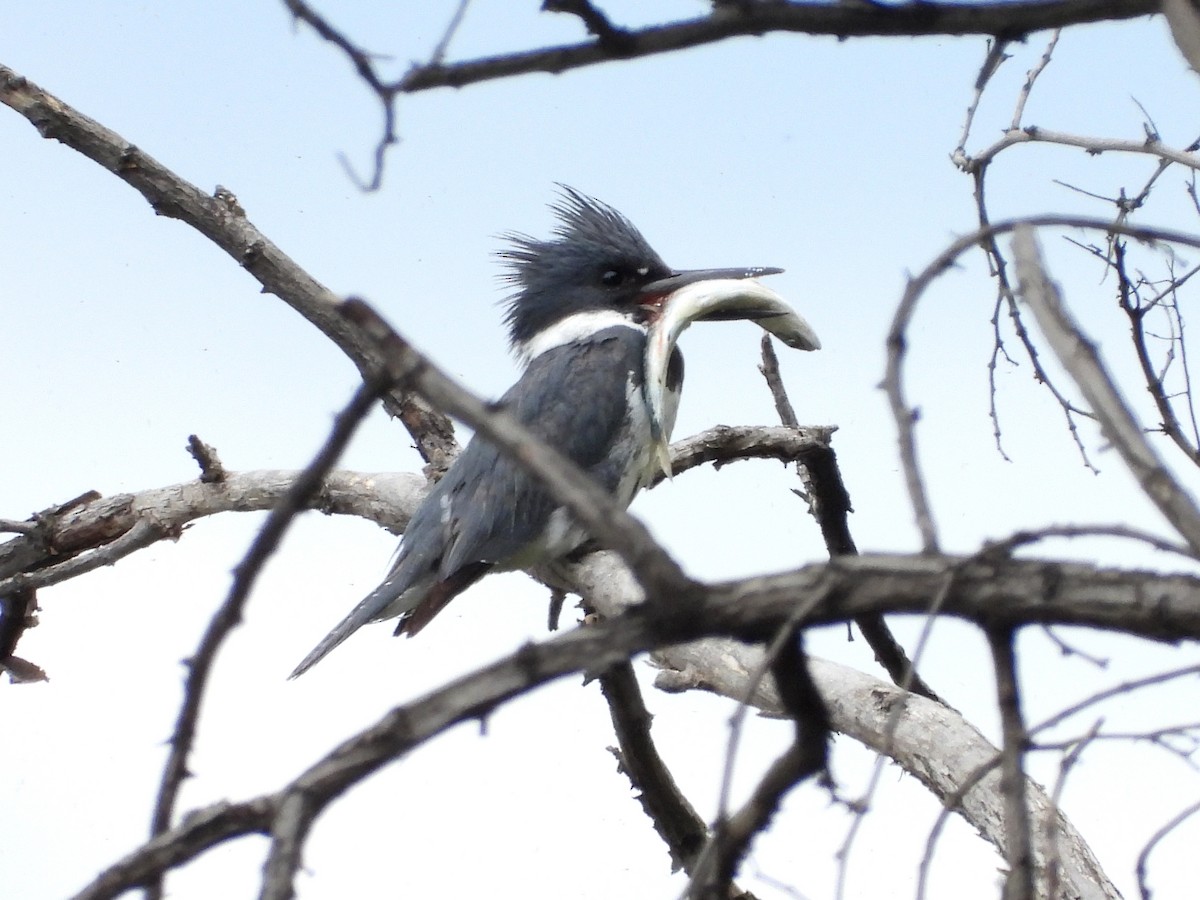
(829, 504)
(674, 818)
(221, 219)
(805, 757)
(932, 742)
(117, 526)
(229, 615)
(903, 413)
(728, 20)
(385, 498)
(1082, 361)
(1018, 841)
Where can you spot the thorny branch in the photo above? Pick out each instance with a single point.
(1138, 310)
(829, 503)
(229, 615)
(673, 816)
(977, 168)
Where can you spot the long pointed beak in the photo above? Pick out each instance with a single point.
(672, 283)
(700, 296)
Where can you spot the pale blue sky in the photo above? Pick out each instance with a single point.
(124, 332)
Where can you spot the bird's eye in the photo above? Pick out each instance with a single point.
(612, 278)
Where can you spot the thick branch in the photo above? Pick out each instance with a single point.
(221, 219)
(931, 741)
(52, 548)
(388, 499)
(729, 20)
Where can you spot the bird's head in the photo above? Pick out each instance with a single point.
(595, 261)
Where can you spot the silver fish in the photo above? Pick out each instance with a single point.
(714, 299)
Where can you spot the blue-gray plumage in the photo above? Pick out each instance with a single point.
(579, 315)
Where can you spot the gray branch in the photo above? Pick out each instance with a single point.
(220, 218)
(745, 19)
(1081, 359)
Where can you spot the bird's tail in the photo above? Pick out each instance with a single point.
(379, 604)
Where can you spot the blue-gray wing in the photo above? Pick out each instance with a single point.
(486, 511)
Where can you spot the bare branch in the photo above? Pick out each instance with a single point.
(1006, 300)
(724, 444)
(142, 532)
(1032, 134)
(1137, 312)
(222, 221)
(770, 372)
(1009, 20)
(1024, 538)
(365, 67)
(1018, 842)
(439, 52)
(903, 413)
(200, 831)
(1143, 859)
(1031, 78)
(992, 60)
(1081, 360)
(1125, 687)
(805, 757)
(206, 458)
(674, 818)
(829, 504)
(387, 499)
(229, 615)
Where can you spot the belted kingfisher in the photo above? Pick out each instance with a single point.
(580, 317)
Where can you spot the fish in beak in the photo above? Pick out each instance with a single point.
(711, 296)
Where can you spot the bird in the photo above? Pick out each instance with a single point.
(582, 305)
